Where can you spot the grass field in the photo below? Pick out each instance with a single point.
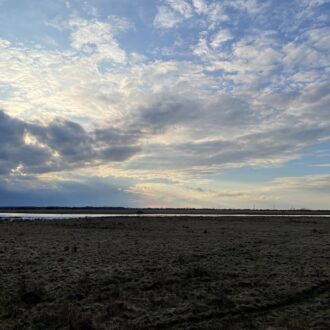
(165, 273)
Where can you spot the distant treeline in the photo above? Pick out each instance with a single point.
(127, 210)
(61, 207)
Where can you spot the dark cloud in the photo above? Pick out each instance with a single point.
(69, 139)
(167, 110)
(13, 150)
(60, 145)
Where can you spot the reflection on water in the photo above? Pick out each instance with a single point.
(49, 216)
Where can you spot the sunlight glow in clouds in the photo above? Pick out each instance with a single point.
(169, 103)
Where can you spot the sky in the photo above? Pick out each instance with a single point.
(165, 103)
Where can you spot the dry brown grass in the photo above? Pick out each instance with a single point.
(169, 273)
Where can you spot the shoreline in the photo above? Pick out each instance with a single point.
(155, 211)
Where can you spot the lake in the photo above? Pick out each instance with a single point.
(50, 216)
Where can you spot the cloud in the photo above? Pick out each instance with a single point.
(216, 14)
(322, 165)
(284, 192)
(165, 195)
(171, 13)
(226, 131)
(35, 148)
(120, 24)
(169, 109)
(201, 6)
(182, 7)
(220, 38)
(166, 18)
(319, 183)
(87, 33)
(13, 148)
(250, 6)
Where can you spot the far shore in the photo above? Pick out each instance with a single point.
(121, 210)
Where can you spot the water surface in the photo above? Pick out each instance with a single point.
(49, 216)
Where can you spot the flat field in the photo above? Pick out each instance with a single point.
(165, 273)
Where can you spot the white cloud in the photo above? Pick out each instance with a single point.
(216, 14)
(182, 7)
(250, 6)
(320, 38)
(166, 18)
(201, 6)
(120, 24)
(202, 49)
(99, 34)
(302, 55)
(174, 12)
(220, 37)
(314, 3)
